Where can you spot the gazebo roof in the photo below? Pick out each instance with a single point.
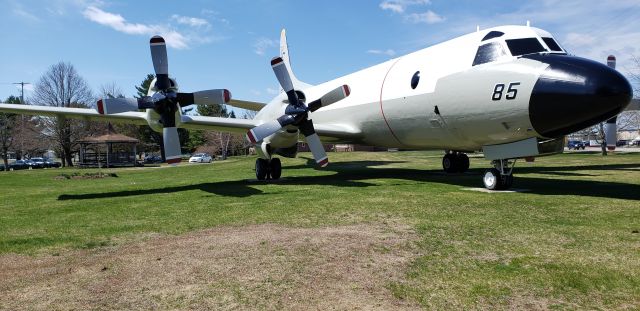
(110, 137)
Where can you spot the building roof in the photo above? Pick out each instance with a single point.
(110, 137)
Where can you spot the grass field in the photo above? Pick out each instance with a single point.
(569, 241)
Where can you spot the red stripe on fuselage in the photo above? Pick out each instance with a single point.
(381, 109)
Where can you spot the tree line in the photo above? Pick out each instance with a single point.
(62, 86)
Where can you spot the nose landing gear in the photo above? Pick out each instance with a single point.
(500, 177)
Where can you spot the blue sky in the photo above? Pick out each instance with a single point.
(228, 44)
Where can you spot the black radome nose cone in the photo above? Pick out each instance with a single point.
(574, 93)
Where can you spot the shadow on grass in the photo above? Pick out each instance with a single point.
(355, 174)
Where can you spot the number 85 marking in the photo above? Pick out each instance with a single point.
(512, 92)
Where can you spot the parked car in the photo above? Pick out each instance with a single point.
(18, 165)
(575, 145)
(200, 158)
(37, 163)
(51, 163)
(151, 159)
(2, 167)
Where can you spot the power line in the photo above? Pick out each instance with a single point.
(22, 84)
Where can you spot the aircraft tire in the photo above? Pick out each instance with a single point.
(450, 163)
(506, 181)
(275, 168)
(491, 179)
(463, 162)
(262, 169)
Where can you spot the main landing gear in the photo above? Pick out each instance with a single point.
(455, 162)
(268, 169)
(500, 177)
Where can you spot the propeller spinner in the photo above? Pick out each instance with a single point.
(166, 101)
(297, 113)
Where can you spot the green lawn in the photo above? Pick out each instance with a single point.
(571, 238)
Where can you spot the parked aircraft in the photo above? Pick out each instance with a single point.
(511, 91)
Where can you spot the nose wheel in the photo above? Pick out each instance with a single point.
(455, 162)
(268, 169)
(500, 177)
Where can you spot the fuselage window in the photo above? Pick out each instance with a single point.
(552, 44)
(415, 80)
(488, 53)
(525, 46)
(493, 34)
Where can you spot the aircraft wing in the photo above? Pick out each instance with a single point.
(133, 117)
(338, 132)
(75, 113)
(245, 104)
(218, 124)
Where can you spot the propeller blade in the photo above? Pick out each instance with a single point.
(265, 130)
(160, 62)
(282, 74)
(208, 97)
(117, 105)
(171, 141)
(280, 69)
(315, 145)
(610, 133)
(330, 98)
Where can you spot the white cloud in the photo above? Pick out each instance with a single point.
(173, 38)
(428, 17)
(23, 14)
(262, 44)
(388, 52)
(272, 91)
(399, 6)
(190, 21)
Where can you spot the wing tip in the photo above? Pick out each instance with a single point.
(157, 40)
(276, 61)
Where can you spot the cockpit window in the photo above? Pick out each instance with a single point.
(488, 53)
(552, 44)
(493, 34)
(525, 46)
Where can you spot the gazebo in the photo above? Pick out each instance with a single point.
(109, 150)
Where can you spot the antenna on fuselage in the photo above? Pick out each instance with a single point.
(477, 28)
(528, 24)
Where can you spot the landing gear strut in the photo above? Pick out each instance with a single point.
(500, 177)
(455, 162)
(268, 169)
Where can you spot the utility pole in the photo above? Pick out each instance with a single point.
(22, 84)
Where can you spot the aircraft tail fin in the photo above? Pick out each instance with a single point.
(284, 53)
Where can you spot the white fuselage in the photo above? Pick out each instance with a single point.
(389, 112)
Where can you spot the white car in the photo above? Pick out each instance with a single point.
(200, 158)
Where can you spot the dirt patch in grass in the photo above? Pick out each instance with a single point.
(85, 176)
(248, 267)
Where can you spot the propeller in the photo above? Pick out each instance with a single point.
(166, 101)
(297, 113)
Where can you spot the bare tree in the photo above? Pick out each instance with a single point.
(111, 90)
(249, 114)
(62, 86)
